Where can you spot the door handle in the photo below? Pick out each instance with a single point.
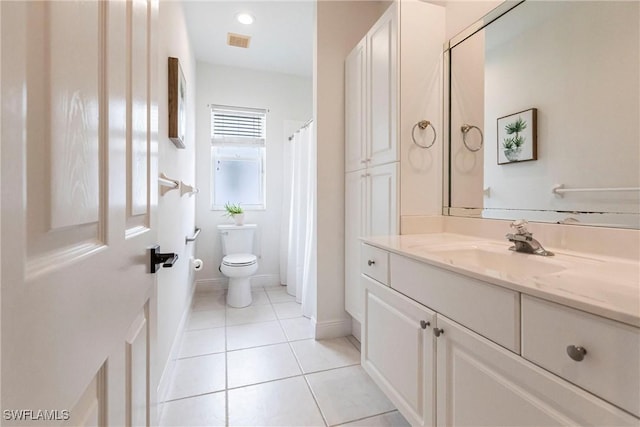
(156, 258)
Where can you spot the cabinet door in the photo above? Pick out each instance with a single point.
(382, 198)
(397, 352)
(355, 108)
(355, 226)
(480, 383)
(382, 60)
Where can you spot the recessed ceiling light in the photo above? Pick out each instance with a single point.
(245, 18)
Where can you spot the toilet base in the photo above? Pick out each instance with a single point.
(239, 293)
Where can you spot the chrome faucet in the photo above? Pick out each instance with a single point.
(523, 240)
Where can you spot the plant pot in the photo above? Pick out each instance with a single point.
(513, 154)
(238, 218)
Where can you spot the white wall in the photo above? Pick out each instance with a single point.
(339, 27)
(422, 32)
(175, 214)
(288, 98)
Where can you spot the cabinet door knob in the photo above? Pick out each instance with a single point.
(424, 324)
(438, 331)
(576, 353)
(371, 262)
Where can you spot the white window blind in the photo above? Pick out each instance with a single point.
(236, 125)
(238, 156)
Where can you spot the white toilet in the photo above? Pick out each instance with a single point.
(239, 263)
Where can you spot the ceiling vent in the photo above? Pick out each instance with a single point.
(238, 40)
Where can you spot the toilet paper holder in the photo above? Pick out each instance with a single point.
(197, 264)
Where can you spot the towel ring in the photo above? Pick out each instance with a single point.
(465, 129)
(423, 124)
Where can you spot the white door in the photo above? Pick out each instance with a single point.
(382, 57)
(355, 227)
(355, 67)
(482, 384)
(382, 196)
(79, 194)
(398, 350)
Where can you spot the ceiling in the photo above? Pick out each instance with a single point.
(281, 36)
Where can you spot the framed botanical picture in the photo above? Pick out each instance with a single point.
(177, 103)
(517, 137)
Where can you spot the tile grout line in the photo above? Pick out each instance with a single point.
(304, 377)
(315, 399)
(364, 418)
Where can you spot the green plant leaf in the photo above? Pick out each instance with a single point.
(233, 209)
(515, 127)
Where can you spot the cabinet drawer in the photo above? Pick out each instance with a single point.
(611, 366)
(489, 310)
(374, 263)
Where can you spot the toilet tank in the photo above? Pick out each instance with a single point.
(237, 239)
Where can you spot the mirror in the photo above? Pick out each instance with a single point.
(543, 114)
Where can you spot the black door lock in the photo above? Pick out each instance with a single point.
(157, 258)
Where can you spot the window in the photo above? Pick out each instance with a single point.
(238, 145)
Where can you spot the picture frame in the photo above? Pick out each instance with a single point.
(518, 137)
(177, 103)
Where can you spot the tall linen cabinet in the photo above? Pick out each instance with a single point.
(392, 81)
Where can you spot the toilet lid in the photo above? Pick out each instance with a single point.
(239, 259)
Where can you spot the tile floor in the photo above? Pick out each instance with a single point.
(260, 366)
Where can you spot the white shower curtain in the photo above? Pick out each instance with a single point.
(300, 240)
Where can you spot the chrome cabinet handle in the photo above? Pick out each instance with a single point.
(438, 331)
(424, 324)
(576, 353)
(371, 262)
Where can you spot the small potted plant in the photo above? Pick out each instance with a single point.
(513, 145)
(235, 211)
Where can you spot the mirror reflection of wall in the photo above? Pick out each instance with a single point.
(578, 64)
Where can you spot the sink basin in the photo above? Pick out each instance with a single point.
(508, 262)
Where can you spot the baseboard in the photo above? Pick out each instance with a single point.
(332, 329)
(216, 284)
(167, 373)
(221, 283)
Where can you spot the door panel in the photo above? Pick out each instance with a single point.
(137, 356)
(383, 199)
(355, 106)
(72, 286)
(138, 79)
(482, 384)
(398, 352)
(355, 227)
(62, 125)
(383, 93)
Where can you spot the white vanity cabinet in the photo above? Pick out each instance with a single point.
(464, 368)
(398, 350)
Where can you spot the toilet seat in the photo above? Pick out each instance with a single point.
(239, 260)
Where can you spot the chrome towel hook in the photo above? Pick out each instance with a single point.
(465, 129)
(423, 124)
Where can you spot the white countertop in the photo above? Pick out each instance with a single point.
(605, 286)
